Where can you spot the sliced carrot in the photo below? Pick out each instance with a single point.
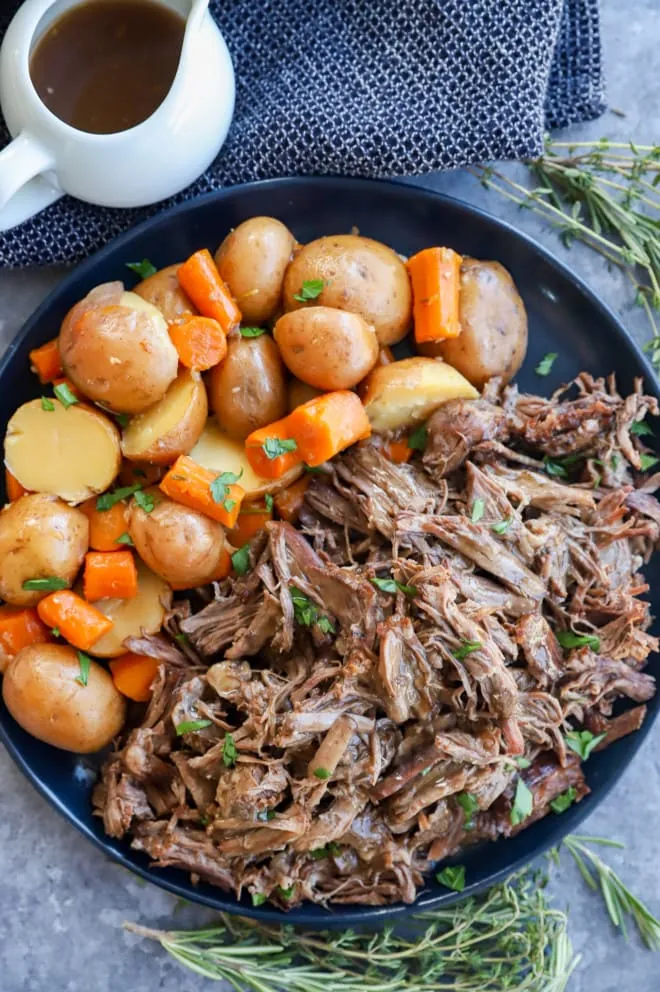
(271, 450)
(326, 425)
(397, 451)
(133, 675)
(106, 526)
(200, 342)
(45, 361)
(13, 488)
(288, 503)
(194, 486)
(251, 520)
(19, 627)
(435, 277)
(79, 623)
(109, 575)
(385, 356)
(200, 279)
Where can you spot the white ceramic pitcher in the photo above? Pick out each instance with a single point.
(141, 165)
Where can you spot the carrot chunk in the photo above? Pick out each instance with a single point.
(200, 279)
(397, 451)
(272, 450)
(288, 503)
(217, 496)
(109, 575)
(435, 277)
(19, 627)
(251, 520)
(133, 675)
(326, 425)
(106, 526)
(13, 488)
(80, 623)
(199, 341)
(45, 361)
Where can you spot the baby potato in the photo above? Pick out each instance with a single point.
(114, 346)
(69, 452)
(299, 392)
(248, 389)
(325, 347)
(41, 691)
(493, 338)
(406, 393)
(181, 545)
(162, 289)
(218, 452)
(40, 537)
(359, 275)
(252, 260)
(143, 614)
(172, 426)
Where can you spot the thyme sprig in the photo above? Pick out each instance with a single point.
(606, 195)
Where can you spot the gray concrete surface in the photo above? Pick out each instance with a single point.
(62, 903)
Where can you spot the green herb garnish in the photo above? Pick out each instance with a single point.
(268, 500)
(322, 773)
(522, 762)
(640, 428)
(143, 269)
(241, 560)
(554, 468)
(326, 626)
(144, 500)
(47, 404)
(84, 661)
(125, 538)
(582, 742)
(310, 290)
(64, 395)
(49, 583)
(569, 639)
(478, 508)
(544, 367)
(418, 438)
(523, 804)
(55, 631)
(265, 815)
(190, 726)
(181, 638)
(273, 447)
(452, 877)
(258, 898)
(470, 806)
(220, 487)
(286, 893)
(306, 613)
(123, 419)
(563, 801)
(229, 752)
(502, 525)
(648, 461)
(466, 648)
(108, 500)
(392, 585)
(252, 332)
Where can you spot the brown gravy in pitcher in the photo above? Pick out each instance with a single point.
(106, 65)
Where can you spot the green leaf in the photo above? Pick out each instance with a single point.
(273, 447)
(268, 500)
(144, 500)
(523, 804)
(310, 290)
(252, 332)
(47, 404)
(582, 742)
(108, 500)
(286, 893)
(648, 461)
(64, 395)
(554, 468)
(522, 762)
(229, 752)
(241, 560)
(55, 631)
(190, 726)
(640, 428)
(318, 853)
(265, 815)
(418, 438)
(143, 269)
(84, 661)
(452, 877)
(322, 773)
(220, 487)
(466, 648)
(258, 898)
(50, 583)
(569, 639)
(229, 504)
(392, 585)
(563, 801)
(469, 805)
(544, 367)
(306, 613)
(125, 538)
(502, 525)
(478, 508)
(326, 626)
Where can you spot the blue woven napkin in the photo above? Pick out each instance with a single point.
(369, 88)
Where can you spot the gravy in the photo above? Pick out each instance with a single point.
(106, 65)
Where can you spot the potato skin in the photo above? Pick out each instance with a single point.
(41, 693)
(115, 348)
(405, 393)
(177, 543)
(325, 347)
(218, 452)
(299, 392)
(254, 256)
(162, 289)
(248, 389)
(493, 338)
(172, 426)
(360, 275)
(40, 536)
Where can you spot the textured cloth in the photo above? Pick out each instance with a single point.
(370, 88)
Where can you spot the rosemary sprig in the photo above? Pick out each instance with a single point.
(605, 194)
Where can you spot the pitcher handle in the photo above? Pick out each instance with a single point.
(23, 192)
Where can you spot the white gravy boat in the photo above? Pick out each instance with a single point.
(131, 168)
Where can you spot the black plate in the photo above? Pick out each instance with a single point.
(564, 317)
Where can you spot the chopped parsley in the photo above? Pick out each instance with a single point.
(55, 631)
(478, 508)
(563, 801)
(268, 500)
(522, 762)
(258, 898)
(322, 773)
(554, 468)
(64, 395)
(466, 648)
(220, 488)
(648, 461)
(125, 538)
(392, 585)
(241, 560)
(323, 852)
(502, 525)
(310, 290)
(306, 613)
(252, 332)
(544, 367)
(582, 742)
(470, 806)
(84, 661)
(143, 269)
(273, 447)
(640, 428)
(286, 893)
(569, 639)
(47, 404)
(452, 877)
(144, 500)
(123, 419)
(229, 751)
(181, 638)
(191, 726)
(49, 583)
(417, 439)
(108, 500)
(265, 815)
(326, 626)
(523, 804)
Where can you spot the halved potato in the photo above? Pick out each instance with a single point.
(218, 452)
(143, 614)
(72, 453)
(163, 291)
(170, 427)
(406, 393)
